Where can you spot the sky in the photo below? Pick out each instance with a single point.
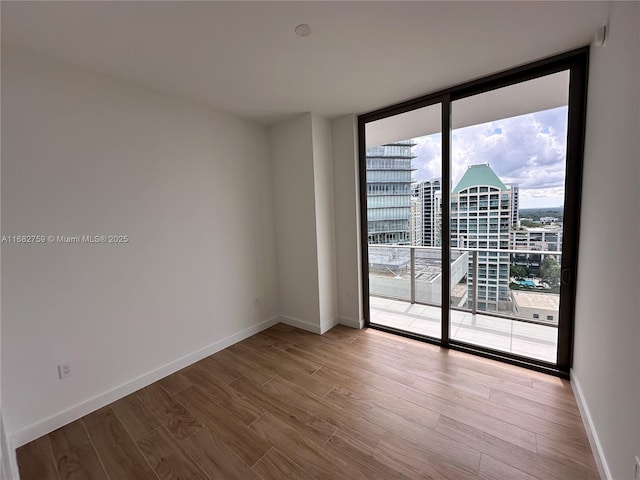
(527, 149)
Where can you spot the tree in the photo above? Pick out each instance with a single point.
(518, 271)
(527, 223)
(550, 272)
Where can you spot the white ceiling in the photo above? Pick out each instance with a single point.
(243, 57)
(543, 93)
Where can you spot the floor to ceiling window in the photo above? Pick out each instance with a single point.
(483, 179)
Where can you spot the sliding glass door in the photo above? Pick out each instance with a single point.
(470, 200)
(508, 171)
(403, 179)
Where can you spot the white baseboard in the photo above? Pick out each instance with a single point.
(9, 468)
(296, 322)
(49, 424)
(351, 322)
(326, 326)
(594, 441)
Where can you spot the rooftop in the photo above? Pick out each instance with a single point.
(479, 175)
(544, 301)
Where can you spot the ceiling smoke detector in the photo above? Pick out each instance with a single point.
(303, 30)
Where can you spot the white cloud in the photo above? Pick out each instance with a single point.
(529, 150)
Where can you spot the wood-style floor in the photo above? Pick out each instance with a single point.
(287, 404)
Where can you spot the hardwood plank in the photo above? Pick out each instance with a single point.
(458, 406)
(279, 357)
(135, 416)
(175, 382)
(35, 460)
(505, 413)
(347, 420)
(390, 412)
(425, 463)
(340, 361)
(475, 411)
(298, 338)
(250, 370)
(343, 334)
(276, 466)
(436, 446)
(379, 352)
(551, 413)
(167, 458)
(493, 469)
(264, 340)
(220, 371)
(297, 416)
(74, 453)
(249, 446)
(315, 461)
(372, 465)
(224, 395)
(525, 391)
(510, 373)
(541, 467)
(119, 454)
(560, 448)
(390, 341)
(465, 412)
(451, 360)
(215, 458)
(554, 384)
(172, 415)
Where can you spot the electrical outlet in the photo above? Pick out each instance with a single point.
(637, 475)
(64, 370)
(256, 301)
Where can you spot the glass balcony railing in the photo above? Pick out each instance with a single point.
(503, 299)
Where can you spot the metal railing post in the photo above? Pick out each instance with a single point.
(413, 274)
(474, 286)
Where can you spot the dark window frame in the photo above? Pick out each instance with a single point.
(577, 62)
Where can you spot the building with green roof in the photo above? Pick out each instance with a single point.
(481, 217)
(477, 175)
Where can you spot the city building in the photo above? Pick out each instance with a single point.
(481, 215)
(536, 306)
(415, 222)
(544, 239)
(389, 193)
(515, 206)
(425, 192)
(547, 238)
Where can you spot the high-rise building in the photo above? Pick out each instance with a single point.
(481, 216)
(425, 192)
(389, 193)
(415, 222)
(515, 207)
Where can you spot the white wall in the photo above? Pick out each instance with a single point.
(606, 366)
(325, 226)
(82, 154)
(302, 168)
(347, 203)
(291, 149)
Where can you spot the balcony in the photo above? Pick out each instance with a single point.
(405, 285)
